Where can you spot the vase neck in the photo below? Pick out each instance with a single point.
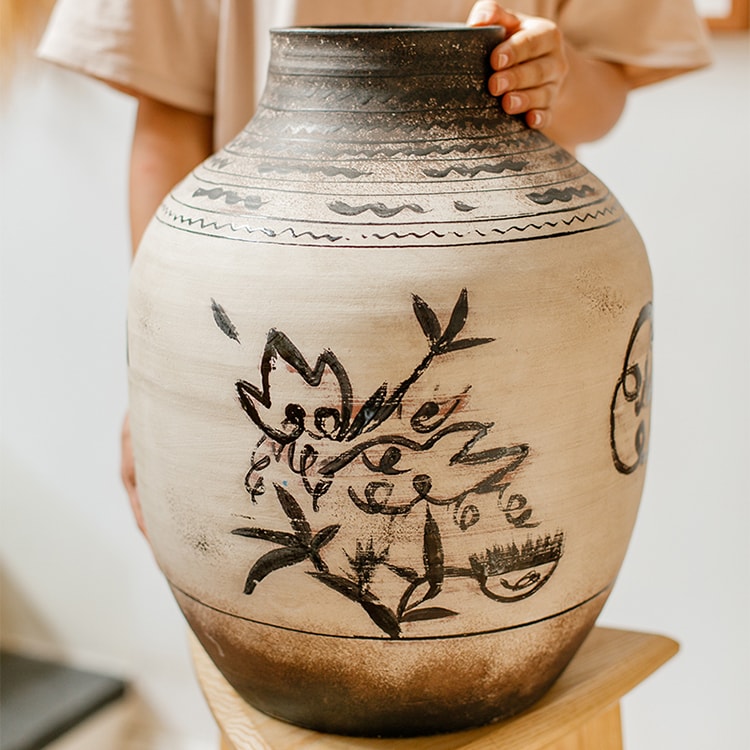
(380, 69)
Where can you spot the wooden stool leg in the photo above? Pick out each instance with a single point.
(249, 742)
(603, 732)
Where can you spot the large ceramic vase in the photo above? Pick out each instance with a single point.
(390, 378)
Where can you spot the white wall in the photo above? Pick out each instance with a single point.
(78, 581)
(679, 162)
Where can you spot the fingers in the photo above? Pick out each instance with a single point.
(127, 474)
(538, 118)
(489, 13)
(517, 102)
(530, 66)
(536, 38)
(540, 73)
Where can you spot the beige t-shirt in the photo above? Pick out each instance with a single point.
(209, 56)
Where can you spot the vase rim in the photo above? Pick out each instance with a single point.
(343, 29)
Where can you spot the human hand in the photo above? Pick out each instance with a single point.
(127, 474)
(530, 64)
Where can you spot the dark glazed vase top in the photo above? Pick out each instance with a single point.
(446, 59)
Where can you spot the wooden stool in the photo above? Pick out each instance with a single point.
(580, 712)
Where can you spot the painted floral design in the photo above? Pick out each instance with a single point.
(393, 456)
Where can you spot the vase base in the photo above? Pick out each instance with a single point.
(386, 688)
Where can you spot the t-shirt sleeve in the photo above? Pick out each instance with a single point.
(165, 49)
(652, 39)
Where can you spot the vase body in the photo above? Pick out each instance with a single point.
(389, 357)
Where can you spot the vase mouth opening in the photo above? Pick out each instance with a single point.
(374, 29)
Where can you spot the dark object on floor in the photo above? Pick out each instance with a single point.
(40, 700)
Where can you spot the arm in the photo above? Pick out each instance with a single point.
(572, 98)
(167, 143)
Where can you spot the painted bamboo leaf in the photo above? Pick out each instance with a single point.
(433, 556)
(223, 321)
(458, 318)
(294, 514)
(324, 536)
(427, 613)
(383, 617)
(271, 561)
(455, 346)
(369, 411)
(408, 574)
(432, 581)
(427, 319)
(415, 595)
(283, 538)
(403, 604)
(342, 585)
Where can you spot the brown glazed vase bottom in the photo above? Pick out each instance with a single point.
(349, 686)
